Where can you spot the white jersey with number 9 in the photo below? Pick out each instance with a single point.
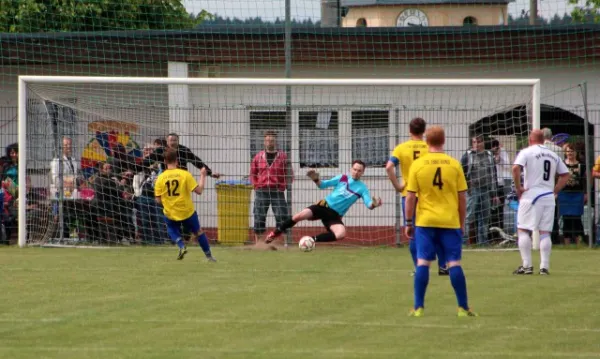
(540, 166)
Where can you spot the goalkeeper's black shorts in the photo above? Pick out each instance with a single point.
(328, 216)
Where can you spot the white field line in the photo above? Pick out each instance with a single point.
(474, 325)
(292, 246)
(402, 271)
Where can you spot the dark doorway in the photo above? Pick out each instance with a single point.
(513, 122)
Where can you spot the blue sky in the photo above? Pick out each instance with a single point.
(304, 9)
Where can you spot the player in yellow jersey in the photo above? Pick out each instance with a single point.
(404, 155)
(173, 190)
(439, 182)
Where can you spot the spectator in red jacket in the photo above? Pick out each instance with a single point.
(270, 174)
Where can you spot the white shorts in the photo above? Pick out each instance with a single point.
(538, 215)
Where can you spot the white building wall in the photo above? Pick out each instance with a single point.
(224, 141)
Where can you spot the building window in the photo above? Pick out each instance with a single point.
(370, 131)
(362, 22)
(470, 21)
(262, 121)
(319, 139)
(63, 120)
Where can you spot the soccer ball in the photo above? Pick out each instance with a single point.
(306, 244)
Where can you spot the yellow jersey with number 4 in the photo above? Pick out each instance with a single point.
(437, 179)
(174, 187)
(405, 154)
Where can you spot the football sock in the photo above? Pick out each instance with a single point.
(545, 249)
(459, 283)
(285, 225)
(412, 247)
(525, 247)
(203, 242)
(325, 237)
(421, 281)
(180, 243)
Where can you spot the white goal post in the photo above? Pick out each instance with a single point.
(25, 81)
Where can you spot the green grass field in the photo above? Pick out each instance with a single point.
(331, 303)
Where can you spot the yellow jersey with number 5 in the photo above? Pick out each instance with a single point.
(405, 154)
(437, 179)
(174, 187)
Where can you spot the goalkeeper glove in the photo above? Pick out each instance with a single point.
(313, 174)
(376, 201)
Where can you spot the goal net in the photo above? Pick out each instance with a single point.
(90, 152)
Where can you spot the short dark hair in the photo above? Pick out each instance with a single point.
(173, 134)
(161, 142)
(417, 126)
(270, 133)
(495, 143)
(360, 163)
(170, 156)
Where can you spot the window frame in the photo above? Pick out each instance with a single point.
(373, 171)
(344, 136)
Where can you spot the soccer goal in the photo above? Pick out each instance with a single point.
(87, 147)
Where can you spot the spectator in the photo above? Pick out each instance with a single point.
(9, 173)
(160, 142)
(550, 144)
(503, 172)
(110, 201)
(66, 168)
(35, 210)
(270, 174)
(123, 164)
(9, 177)
(184, 155)
(480, 171)
(151, 222)
(3, 237)
(573, 197)
(69, 171)
(596, 174)
(561, 140)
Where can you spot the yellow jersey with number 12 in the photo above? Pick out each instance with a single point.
(174, 187)
(405, 154)
(437, 179)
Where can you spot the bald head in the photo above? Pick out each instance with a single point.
(435, 136)
(536, 137)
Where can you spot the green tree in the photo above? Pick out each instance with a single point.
(588, 12)
(95, 15)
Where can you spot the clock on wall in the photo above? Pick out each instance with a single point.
(412, 17)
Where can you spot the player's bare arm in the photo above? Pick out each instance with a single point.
(200, 187)
(561, 183)
(462, 209)
(516, 173)
(411, 201)
(390, 169)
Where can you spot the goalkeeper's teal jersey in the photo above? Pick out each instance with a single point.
(347, 191)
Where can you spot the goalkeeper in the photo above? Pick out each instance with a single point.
(348, 189)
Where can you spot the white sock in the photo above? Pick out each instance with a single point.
(525, 248)
(545, 249)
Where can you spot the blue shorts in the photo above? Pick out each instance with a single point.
(448, 240)
(404, 210)
(191, 224)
